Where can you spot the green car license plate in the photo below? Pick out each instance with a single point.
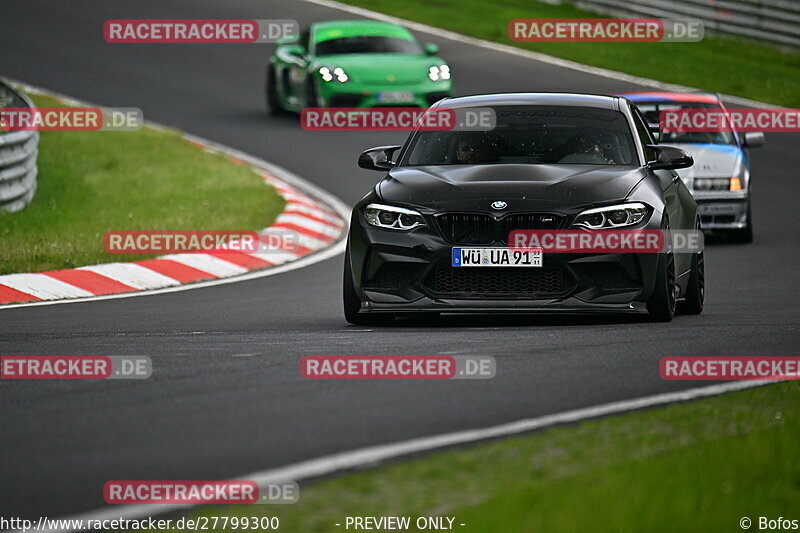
(395, 97)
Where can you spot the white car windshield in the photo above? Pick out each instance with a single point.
(653, 110)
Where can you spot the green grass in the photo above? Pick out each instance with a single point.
(92, 182)
(732, 66)
(697, 466)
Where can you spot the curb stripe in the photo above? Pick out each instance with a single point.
(8, 295)
(294, 209)
(294, 199)
(304, 221)
(297, 249)
(173, 269)
(247, 261)
(277, 257)
(322, 237)
(90, 281)
(208, 263)
(133, 274)
(43, 287)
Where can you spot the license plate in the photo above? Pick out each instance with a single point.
(395, 97)
(497, 257)
(719, 208)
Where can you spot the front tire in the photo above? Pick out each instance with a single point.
(696, 290)
(312, 95)
(273, 100)
(661, 304)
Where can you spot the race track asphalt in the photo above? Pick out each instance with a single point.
(226, 397)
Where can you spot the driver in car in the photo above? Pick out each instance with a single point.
(471, 150)
(587, 149)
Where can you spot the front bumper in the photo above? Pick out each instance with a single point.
(409, 272)
(722, 210)
(423, 94)
(565, 306)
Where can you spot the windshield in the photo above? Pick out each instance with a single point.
(531, 135)
(652, 112)
(368, 45)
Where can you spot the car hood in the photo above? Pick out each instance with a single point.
(549, 188)
(712, 161)
(381, 69)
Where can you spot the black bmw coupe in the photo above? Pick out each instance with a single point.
(433, 235)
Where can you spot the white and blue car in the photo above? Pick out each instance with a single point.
(720, 177)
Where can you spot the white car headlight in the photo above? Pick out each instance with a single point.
(391, 217)
(333, 73)
(614, 216)
(439, 72)
(717, 184)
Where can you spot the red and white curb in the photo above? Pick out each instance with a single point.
(312, 223)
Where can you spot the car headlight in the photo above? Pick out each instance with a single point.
(333, 73)
(439, 72)
(717, 184)
(391, 217)
(614, 216)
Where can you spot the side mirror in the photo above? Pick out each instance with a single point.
(431, 49)
(670, 157)
(378, 158)
(753, 139)
(655, 129)
(286, 39)
(296, 50)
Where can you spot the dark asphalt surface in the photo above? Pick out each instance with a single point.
(226, 397)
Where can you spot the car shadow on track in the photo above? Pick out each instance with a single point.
(511, 321)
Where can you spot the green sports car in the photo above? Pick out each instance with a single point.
(355, 63)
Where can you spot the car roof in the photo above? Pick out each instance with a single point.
(565, 99)
(665, 96)
(330, 29)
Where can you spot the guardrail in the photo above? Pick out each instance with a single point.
(18, 153)
(774, 21)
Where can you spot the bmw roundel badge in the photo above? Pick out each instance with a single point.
(499, 204)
